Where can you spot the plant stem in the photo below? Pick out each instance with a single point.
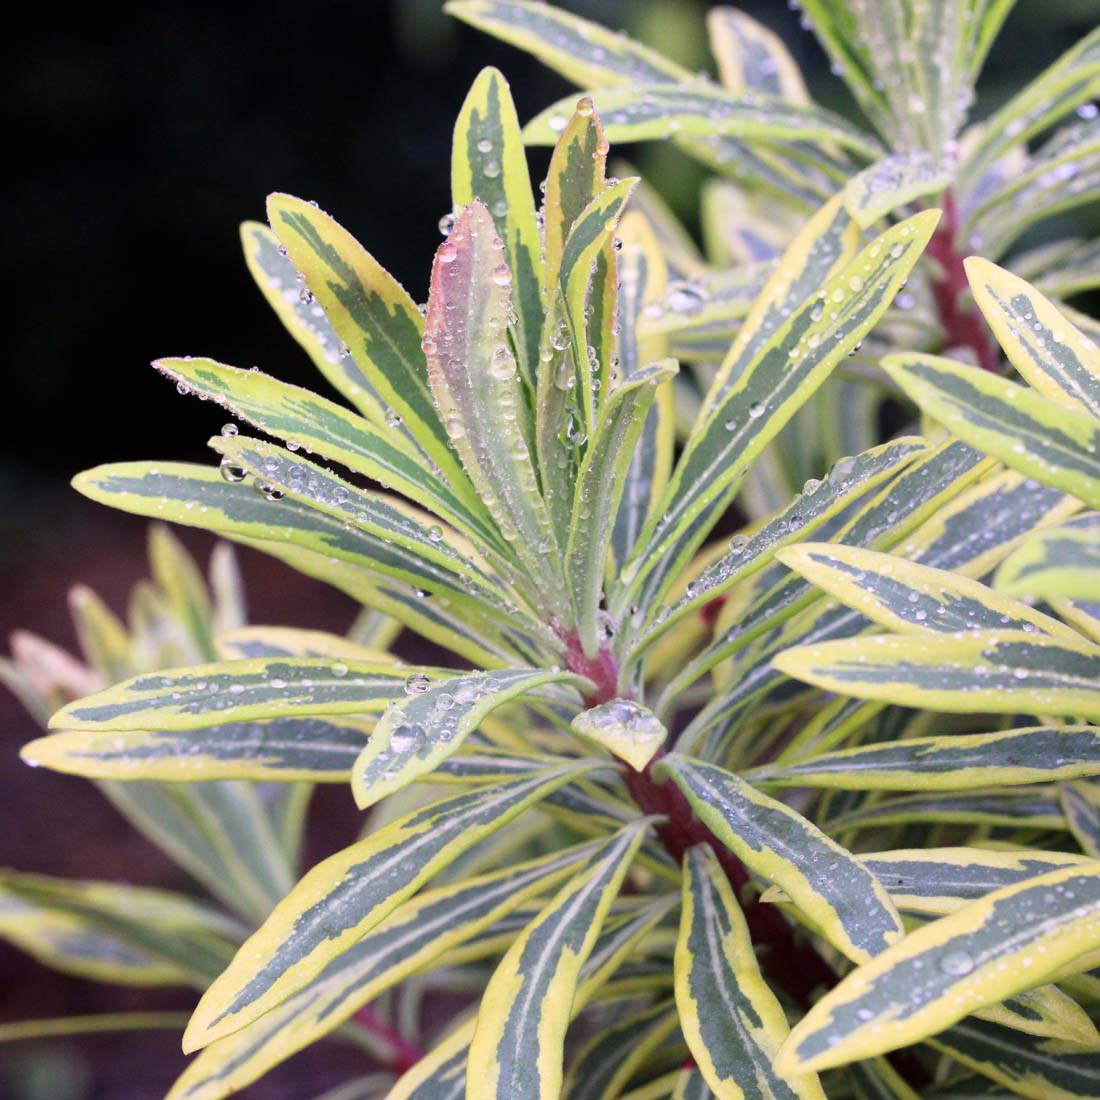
(964, 328)
(403, 1053)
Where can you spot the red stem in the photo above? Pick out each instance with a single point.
(964, 328)
(403, 1054)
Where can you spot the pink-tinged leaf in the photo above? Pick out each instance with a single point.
(473, 376)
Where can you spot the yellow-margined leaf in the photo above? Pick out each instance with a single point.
(1039, 340)
(1041, 438)
(733, 1022)
(488, 162)
(415, 935)
(912, 598)
(839, 896)
(347, 895)
(517, 1047)
(238, 691)
(1008, 941)
(1004, 673)
(1035, 754)
(1060, 563)
(416, 735)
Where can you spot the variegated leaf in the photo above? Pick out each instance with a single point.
(839, 897)
(1001, 672)
(733, 1022)
(347, 895)
(414, 736)
(489, 163)
(381, 453)
(625, 728)
(472, 370)
(1059, 563)
(892, 182)
(1059, 360)
(1035, 754)
(911, 598)
(1008, 941)
(1040, 1069)
(286, 750)
(790, 351)
(1041, 438)
(238, 691)
(372, 314)
(517, 1047)
(415, 935)
(647, 111)
(942, 880)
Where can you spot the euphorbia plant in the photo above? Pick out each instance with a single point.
(612, 814)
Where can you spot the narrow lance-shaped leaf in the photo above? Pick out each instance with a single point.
(1059, 360)
(748, 411)
(441, 1074)
(580, 50)
(373, 315)
(642, 274)
(1037, 754)
(286, 750)
(347, 895)
(751, 58)
(912, 598)
(733, 1022)
(388, 536)
(575, 177)
(1015, 808)
(648, 111)
(1026, 1065)
(517, 1047)
(306, 420)
(566, 398)
(943, 880)
(111, 932)
(413, 936)
(838, 895)
(748, 554)
(1008, 941)
(1058, 563)
(472, 370)
(1004, 673)
(414, 736)
(305, 320)
(489, 163)
(1073, 79)
(238, 691)
(599, 490)
(318, 544)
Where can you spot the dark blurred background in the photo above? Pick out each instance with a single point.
(138, 140)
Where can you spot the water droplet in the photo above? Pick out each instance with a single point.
(446, 224)
(957, 963)
(231, 471)
(447, 253)
(229, 430)
(417, 684)
(406, 739)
